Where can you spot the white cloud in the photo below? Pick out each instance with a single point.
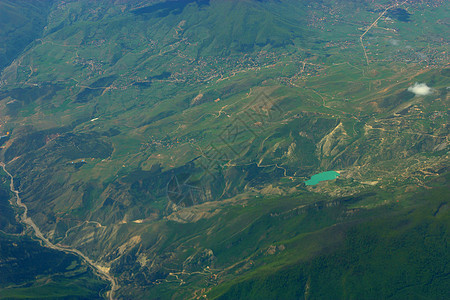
(420, 89)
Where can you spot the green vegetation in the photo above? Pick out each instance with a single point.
(21, 22)
(170, 143)
(402, 254)
(30, 271)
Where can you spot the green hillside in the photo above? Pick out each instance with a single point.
(169, 143)
(30, 271)
(21, 22)
(402, 254)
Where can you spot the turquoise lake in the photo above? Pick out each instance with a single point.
(315, 179)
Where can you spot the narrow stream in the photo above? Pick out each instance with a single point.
(46, 243)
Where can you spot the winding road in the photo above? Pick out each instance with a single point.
(101, 272)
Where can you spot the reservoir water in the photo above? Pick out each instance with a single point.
(315, 179)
